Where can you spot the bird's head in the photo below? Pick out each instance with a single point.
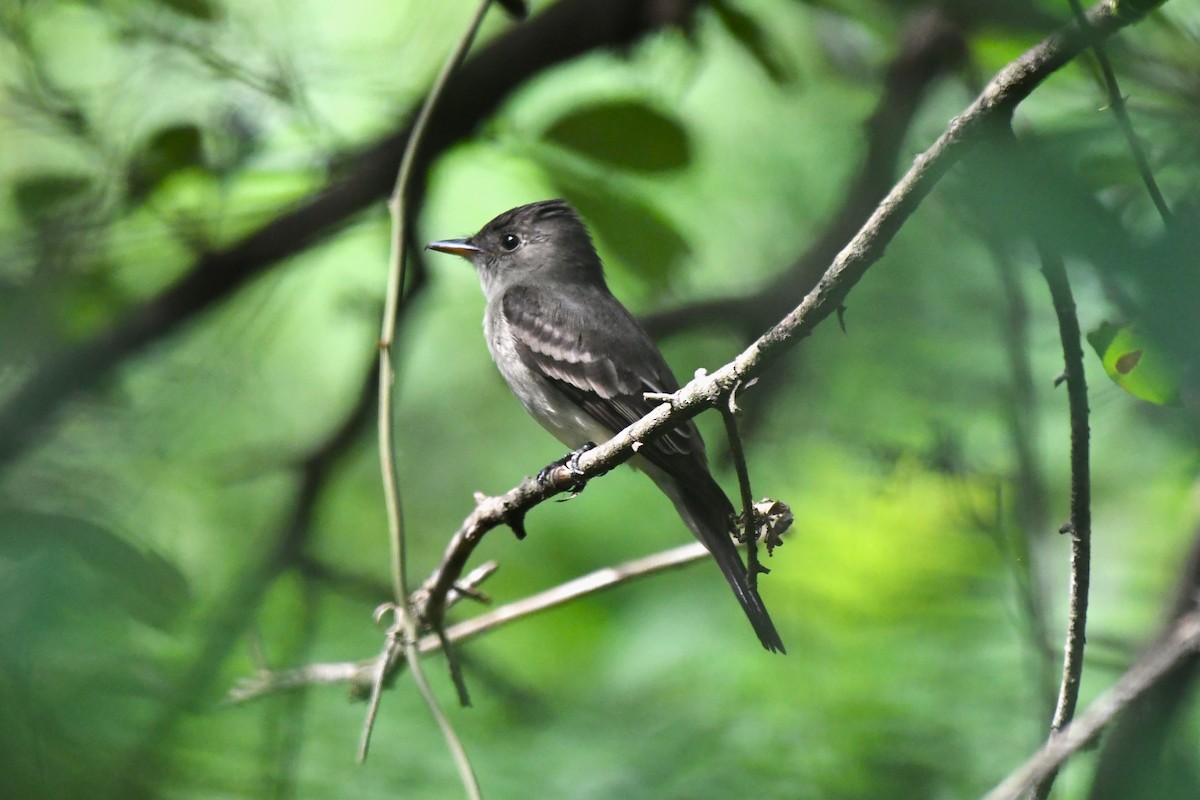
(542, 242)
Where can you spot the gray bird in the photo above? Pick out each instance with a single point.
(580, 364)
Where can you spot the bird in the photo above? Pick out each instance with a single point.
(581, 364)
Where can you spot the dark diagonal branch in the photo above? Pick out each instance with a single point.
(1136, 750)
(563, 32)
(931, 47)
(990, 112)
(1116, 101)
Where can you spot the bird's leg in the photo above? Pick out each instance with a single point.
(570, 463)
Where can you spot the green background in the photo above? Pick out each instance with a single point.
(924, 451)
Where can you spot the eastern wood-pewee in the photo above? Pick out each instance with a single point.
(580, 364)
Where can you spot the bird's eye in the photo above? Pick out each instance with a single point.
(509, 241)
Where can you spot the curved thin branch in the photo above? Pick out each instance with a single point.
(404, 633)
(1116, 101)
(737, 451)
(1135, 747)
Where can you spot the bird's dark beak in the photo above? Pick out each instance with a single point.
(457, 247)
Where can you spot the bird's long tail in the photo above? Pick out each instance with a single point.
(707, 511)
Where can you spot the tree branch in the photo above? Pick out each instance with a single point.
(1116, 101)
(750, 525)
(1133, 756)
(1079, 525)
(360, 675)
(991, 111)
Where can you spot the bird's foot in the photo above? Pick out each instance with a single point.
(553, 475)
(772, 518)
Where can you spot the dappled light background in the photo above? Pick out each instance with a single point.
(146, 558)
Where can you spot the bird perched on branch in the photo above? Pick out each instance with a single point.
(581, 365)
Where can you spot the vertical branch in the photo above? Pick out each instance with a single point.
(387, 435)
(1116, 102)
(750, 526)
(1079, 525)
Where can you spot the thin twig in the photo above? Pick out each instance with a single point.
(991, 110)
(750, 528)
(1079, 525)
(380, 673)
(453, 741)
(1182, 641)
(1116, 102)
(363, 673)
(591, 583)
(387, 437)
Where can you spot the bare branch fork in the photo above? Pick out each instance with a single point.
(362, 675)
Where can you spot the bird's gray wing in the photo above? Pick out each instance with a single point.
(605, 365)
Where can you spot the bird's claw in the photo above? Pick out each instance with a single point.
(552, 475)
(772, 519)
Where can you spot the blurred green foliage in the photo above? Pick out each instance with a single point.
(922, 591)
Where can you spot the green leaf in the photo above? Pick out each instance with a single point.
(202, 10)
(517, 9)
(750, 35)
(1134, 9)
(626, 134)
(170, 150)
(634, 232)
(1137, 363)
(93, 564)
(44, 195)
